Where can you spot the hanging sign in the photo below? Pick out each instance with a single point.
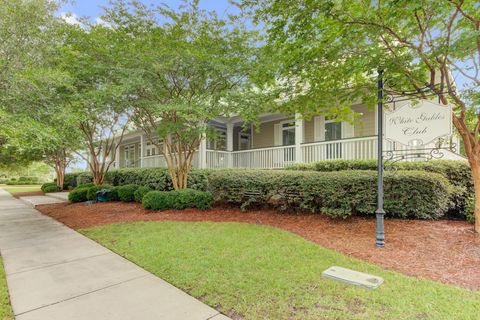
(418, 124)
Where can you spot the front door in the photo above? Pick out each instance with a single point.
(333, 131)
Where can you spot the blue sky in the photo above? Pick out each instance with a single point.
(92, 8)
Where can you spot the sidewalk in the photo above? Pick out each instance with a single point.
(55, 273)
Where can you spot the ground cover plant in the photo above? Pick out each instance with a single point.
(230, 265)
(6, 312)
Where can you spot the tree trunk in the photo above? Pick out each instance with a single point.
(475, 166)
(60, 172)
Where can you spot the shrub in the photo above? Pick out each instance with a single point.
(28, 178)
(457, 172)
(182, 199)
(408, 194)
(78, 195)
(84, 178)
(88, 191)
(140, 193)
(50, 187)
(127, 192)
(470, 209)
(19, 182)
(155, 178)
(70, 180)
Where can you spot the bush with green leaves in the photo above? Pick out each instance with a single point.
(181, 199)
(50, 187)
(408, 194)
(84, 178)
(20, 182)
(457, 172)
(155, 178)
(79, 194)
(126, 193)
(70, 180)
(140, 193)
(470, 209)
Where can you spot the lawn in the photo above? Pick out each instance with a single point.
(260, 272)
(5, 309)
(21, 188)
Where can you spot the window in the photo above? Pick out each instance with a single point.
(288, 133)
(129, 156)
(220, 141)
(151, 149)
(333, 131)
(243, 141)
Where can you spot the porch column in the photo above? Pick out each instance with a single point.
(117, 157)
(229, 144)
(202, 152)
(298, 137)
(142, 148)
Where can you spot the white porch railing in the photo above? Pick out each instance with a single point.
(265, 158)
(347, 149)
(363, 148)
(218, 159)
(158, 161)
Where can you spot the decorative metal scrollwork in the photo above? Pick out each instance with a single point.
(390, 157)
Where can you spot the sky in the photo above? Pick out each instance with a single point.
(92, 8)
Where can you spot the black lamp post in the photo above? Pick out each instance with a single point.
(379, 213)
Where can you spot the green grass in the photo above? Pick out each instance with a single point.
(6, 312)
(261, 272)
(20, 188)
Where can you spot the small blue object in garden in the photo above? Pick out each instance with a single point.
(102, 195)
(356, 278)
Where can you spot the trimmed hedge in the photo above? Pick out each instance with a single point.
(408, 194)
(155, 178)
(140, 193)
(79, 194)
(50, 187)
(126, 193)
(181, 199)
(20, 182)
(457, 172)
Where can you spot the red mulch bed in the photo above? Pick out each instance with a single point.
(446, 251)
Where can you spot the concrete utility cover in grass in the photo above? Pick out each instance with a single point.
(356, 278)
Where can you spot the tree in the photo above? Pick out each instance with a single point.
(182, 70)
(27, 36)
(334, 48)
(98, 102)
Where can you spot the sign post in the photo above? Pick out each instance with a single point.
(414, 125)
(380, 212)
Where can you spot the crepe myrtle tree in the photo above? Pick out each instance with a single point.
(336, 47)
(98, 100)
(182, 66)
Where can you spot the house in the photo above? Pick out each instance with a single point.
(279, 140)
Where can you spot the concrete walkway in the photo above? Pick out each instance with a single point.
(55, 273)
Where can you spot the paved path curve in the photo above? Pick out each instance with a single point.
(55, 273)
